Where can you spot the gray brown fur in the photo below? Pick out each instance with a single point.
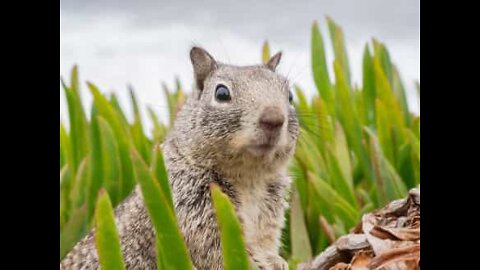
(218, 142)
(137, 239)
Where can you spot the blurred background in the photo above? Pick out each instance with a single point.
(146, 42)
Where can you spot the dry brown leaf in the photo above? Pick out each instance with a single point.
(340, 266)
(352, 242)
(406, 234)
(391, 258)
(361, 260)
(386, 239)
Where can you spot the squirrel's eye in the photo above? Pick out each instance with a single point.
(222, 93)
(290, 96)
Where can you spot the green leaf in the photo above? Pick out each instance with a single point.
(382, 54)
(389, 184)
(341, 207)
(65, 201)
(170, 245)
(159, 129)
(384, 130)
(308, 154)
(78, 194)
(265, 53)
(171, 101)
(387, 96)
(339, 49)
(106, 239)
(301, 103)
(324, 120)
(116, 105)
(233, 246)
(342, 154)
(96, 164)
(78, 121)
(369, 86)
(319, 67)
(139, 139)
(66, 154)
(161, 175)
(343, 186)
(73, 230)
(401, 94)
(122, 136)
(348, 117)
(112, 174)
(301, 248)
(405, 166)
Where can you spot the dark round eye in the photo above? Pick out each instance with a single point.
(290, 96)
(222, 93)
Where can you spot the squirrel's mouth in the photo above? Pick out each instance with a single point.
(261, 149)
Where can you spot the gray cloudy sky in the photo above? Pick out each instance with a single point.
(145, 42)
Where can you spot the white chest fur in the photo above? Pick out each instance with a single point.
(251, 207)
(261, 214)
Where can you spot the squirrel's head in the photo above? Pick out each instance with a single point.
(242, 114)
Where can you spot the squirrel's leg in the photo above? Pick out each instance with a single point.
(197, 222)
(264, 234)
(265, 259)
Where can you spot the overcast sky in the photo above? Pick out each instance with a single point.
(146, 42)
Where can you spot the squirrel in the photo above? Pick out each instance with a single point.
(238, 129)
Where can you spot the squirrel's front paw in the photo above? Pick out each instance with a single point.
(279, 264)
(274, 263)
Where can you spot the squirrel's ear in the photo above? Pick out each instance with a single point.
(203, 64)
(273, 62)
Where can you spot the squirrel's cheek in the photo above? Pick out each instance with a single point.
(239, 140)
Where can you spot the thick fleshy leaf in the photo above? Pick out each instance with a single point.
(78, 121)
(389, 184)
(368, 86)
(116, 105)
(319, 67)
(341, 207)
(122, 136)
(112, 174)
(161, 175)
(348, 117)
(73, 230)
(65, 201)
(66, 156)
(339, 48)
(139, 139)
(96, 163)
(159, 129)
(233, 246)
(170, 245)
(301, 248)
(78, 193)
(265, 52)
(106, 237)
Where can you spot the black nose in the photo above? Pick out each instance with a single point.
(271, 119)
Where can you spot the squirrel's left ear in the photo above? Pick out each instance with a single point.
(203, 64)
(273, 62)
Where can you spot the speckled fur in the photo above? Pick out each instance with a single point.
(136, 236)
(210, 143)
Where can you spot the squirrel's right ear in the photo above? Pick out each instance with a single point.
(203, 64)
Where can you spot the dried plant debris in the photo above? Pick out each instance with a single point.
(386, 239)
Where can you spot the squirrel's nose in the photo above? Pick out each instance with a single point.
(271, 119)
